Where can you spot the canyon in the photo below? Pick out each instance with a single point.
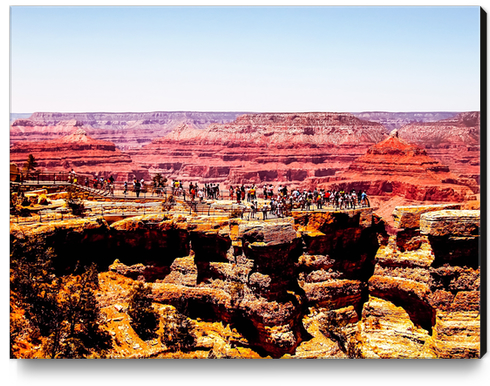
(313, 285)
(430, 162)
(135, 129)
(395, 120)
(259, 148)
(394, 167)
(398, 279)
(454, 141)
(236, 148)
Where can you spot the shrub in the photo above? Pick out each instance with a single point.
(144, 319)
(236, 213)
(63, 311)
(74, 202)
(168, 203)
(178, 331)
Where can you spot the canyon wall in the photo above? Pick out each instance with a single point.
(126, 130)
(75, 151)
(425, 290)
(315, 285)
(296, 149)
(258, 148)
(394, 167)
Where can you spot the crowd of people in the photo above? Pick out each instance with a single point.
(306, 200)
(194, 191)
(276, 201)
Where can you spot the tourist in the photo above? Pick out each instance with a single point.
(364, 200)
(137, 188)
(253, 209)
(264, 211)
(192, 192)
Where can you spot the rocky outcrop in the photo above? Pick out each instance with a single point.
(317, 284)
(255, 148)
(126, 130)
(430, 269)
(244, 273)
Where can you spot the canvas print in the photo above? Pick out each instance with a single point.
(245, 182)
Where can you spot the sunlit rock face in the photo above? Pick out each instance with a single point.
(314, 285)
(430, 269)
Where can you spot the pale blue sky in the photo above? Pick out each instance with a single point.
(75, 59)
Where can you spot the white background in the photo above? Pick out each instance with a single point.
(204, 372)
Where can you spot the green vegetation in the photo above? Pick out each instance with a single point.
(144, 319)
(61, 313)
(30, 165)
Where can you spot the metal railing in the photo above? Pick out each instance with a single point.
(205, 209)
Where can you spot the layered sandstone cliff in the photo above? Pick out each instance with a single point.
(428, 273)
(76, 151)
(259, 148)
(126, 130)
(241, 273)
(394, 167)
(395, 120)
(314, 285)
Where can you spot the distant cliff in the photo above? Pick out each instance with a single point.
(124, 129)
(266, 147)
(454, 141)
(392, 120)
(135, 129)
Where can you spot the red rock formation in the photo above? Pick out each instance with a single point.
(430, 269)
(78, 151)
(23, 130)
(256, 148)
(315, 285)
(395, 167)
(454, 141)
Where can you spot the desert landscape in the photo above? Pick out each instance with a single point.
(236, 235)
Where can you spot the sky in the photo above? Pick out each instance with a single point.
(260, 59)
